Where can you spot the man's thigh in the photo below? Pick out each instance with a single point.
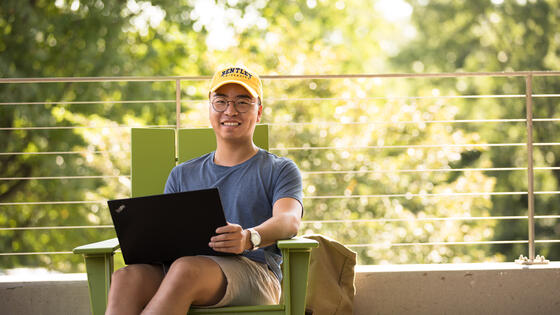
(248, 282)
(199, 277)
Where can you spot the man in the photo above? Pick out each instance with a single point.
(262, 198)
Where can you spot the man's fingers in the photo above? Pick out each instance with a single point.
(225, 237)
(224, 244)
(226, 247)
(229, 228)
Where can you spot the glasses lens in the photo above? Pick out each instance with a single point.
(219, 104)
(242, 105)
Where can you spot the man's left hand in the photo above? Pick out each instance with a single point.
(231, 238)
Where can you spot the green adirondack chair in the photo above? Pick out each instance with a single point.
(153, 157)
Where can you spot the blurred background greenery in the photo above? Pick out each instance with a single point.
(89, 38)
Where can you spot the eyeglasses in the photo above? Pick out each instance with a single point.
(241, 105)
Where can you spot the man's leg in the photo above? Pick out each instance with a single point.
(190, 280)
(132, 287)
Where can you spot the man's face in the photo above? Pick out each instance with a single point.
(231, 124)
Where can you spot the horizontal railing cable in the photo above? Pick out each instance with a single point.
(70, 202)
(85, 127)
(283, 99)
(63, 152)
(483, 169)
(102, 102)
(378, 245)
(273, 124)
(472, 145)
(87, 102)
(381, 220)
(382, 122)
(427, 195)
(276, 99)
(36, 253)
(405, 195)
(284, 77)
(448, 243)
(62, 227)
(415, 219)
(44, 253)
(413, 146)
(312, 99)
(356, 221)
(65, 177)
(395, 97)
(488, 169)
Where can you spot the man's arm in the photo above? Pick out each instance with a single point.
(284, 224)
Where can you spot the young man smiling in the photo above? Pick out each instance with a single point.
(262, 199)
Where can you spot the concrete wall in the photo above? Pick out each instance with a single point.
(504, 288)
(55, 294)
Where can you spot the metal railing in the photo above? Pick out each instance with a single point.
(179, 100)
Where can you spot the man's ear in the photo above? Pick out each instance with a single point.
(259, 113)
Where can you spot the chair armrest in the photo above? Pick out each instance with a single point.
(103, 247)
(297, 243)
(99, 267)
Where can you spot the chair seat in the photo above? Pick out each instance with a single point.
(254, 310)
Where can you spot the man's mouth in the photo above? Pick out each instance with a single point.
(230, 123)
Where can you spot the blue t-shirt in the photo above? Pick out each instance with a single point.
(248, 191)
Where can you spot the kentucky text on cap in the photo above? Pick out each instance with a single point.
(237, 71)
(238, 75)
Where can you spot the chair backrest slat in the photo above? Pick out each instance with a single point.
(152, 158)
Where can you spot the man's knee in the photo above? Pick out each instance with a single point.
(187, 267)
(200, 277)
(122, 275)
(193, 269)
(134, 274)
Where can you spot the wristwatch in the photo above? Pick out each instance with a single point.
(255, 238)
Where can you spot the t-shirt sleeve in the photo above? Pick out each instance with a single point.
(289, 183)
(172, 186)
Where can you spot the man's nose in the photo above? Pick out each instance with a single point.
(230, 108)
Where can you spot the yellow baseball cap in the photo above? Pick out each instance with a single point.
(239, 75)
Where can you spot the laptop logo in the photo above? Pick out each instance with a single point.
(120, 209)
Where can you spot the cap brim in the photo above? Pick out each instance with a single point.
(248, 88)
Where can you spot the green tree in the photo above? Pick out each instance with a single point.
(475, 36)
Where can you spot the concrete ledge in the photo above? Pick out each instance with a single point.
(44, 294)
(494, 288)
(488, 288)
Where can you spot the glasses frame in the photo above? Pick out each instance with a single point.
(234, 104)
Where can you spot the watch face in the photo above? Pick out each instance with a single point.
(255, 238)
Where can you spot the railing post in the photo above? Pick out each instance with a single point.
(530, 171)
(177, 116)
(178, 103)
(530, 177)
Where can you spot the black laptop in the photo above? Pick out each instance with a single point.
(162, 228)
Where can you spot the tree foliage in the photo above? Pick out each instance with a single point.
(476, 36)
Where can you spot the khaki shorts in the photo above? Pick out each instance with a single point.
(248, 282)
